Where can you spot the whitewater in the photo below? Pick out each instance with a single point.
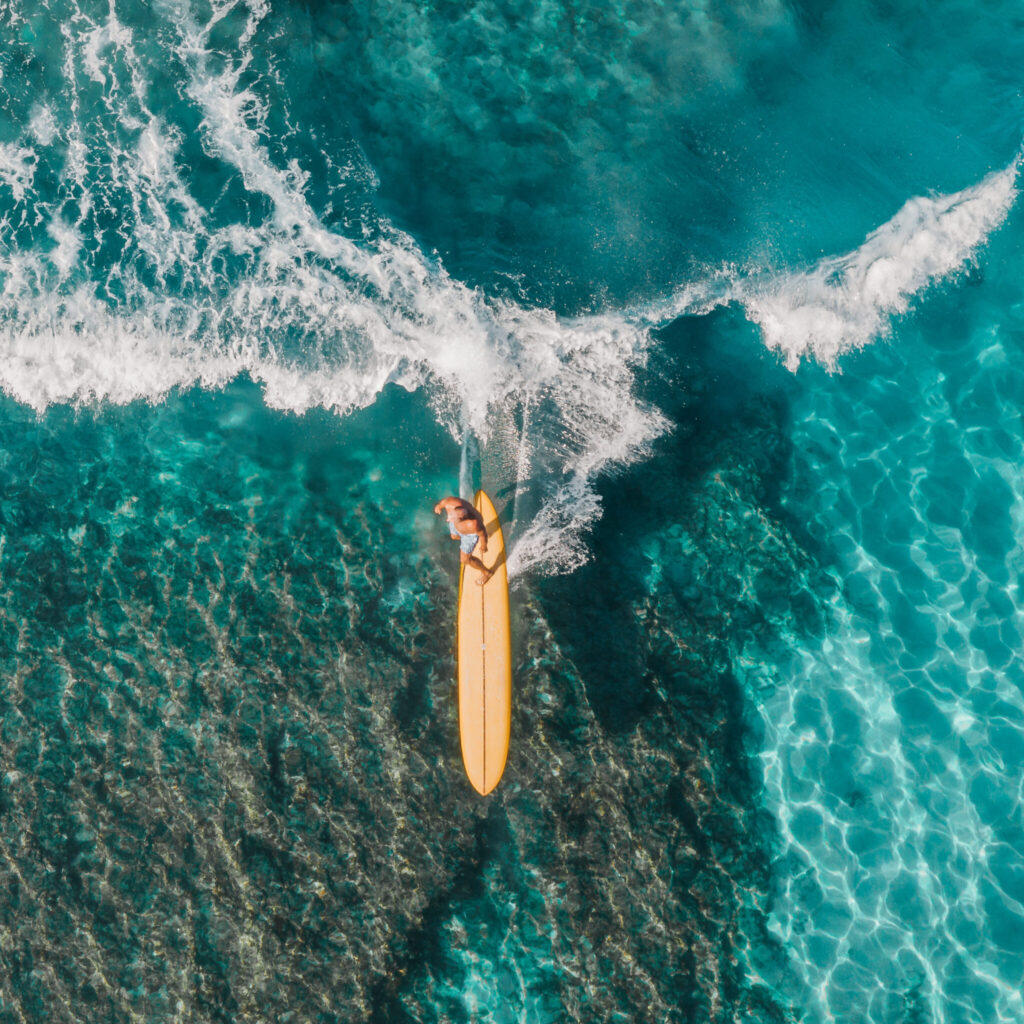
(319, 319)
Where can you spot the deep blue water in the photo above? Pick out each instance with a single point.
(721, 304)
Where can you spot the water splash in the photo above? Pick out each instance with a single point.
(843, 303)
(182, 294)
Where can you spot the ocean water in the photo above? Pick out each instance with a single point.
(721, 303)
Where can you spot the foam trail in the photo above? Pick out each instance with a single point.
(182, 297)
(845, 302)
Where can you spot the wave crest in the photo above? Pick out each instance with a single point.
(123, 285)
(846, 301)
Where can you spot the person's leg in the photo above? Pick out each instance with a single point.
(468, 559)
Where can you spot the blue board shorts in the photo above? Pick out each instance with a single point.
(467, 541)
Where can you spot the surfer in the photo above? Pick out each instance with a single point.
(466, 525)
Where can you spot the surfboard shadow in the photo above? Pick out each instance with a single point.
(503, 557)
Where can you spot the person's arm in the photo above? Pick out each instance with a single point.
(481, 532)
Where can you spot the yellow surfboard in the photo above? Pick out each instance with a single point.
(485, 660)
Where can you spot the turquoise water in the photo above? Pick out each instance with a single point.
(722, 306)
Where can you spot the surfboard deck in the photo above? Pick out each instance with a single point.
(485, 659)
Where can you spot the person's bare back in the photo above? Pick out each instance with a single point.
(466, 525)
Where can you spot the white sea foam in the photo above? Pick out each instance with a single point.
(43, 126)
(317, 318)
(845, 302)
(17, 169)
(320, 318)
